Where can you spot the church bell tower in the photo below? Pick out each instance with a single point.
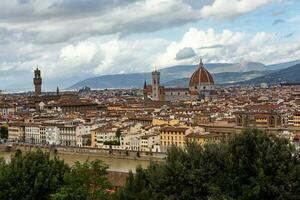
(155, 86)
(37, 80)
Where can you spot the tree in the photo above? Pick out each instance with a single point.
(252, 165)
(3, 132)
(118, 133)
(85, 181)
(31, 176)
(262, 167)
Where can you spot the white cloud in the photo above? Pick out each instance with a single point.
(82, 52)
(262, 38)
(82, 37)
(58, 20)
(121, 56)
(229, 46)
(55, 21)
(229, 9)
(197, 39)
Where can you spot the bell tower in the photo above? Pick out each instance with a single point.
(37, 81)
(155, 86)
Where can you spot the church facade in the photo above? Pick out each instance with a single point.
(201, 86)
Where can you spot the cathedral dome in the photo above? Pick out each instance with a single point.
(201, 77)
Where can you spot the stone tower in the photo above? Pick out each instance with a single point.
(37, 80)
(155, 86)
(57, 90)
(145, 92)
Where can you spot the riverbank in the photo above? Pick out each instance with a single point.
(114, 163)
(88, 151)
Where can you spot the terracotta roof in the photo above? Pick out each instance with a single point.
(174, 129)
(194, 92)
(201, 76)
(196, 135)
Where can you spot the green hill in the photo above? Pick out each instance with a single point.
(288, 75)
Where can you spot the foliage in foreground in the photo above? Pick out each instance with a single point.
(31, 176)
(251, 166)
(35, 176)
(85, 181)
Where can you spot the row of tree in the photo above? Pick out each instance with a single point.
(252, 165)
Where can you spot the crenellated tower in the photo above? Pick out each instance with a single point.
(37, 81)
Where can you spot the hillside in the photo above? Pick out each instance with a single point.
(280, 66)
(221, 78)
(167, 74)
(289, 75)
(178, 75)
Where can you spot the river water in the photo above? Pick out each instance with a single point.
(115, 164)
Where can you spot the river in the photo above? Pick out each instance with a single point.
(115, 164)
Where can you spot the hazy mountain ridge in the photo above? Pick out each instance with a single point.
(221, 78)
(289, 75)
(223, 73)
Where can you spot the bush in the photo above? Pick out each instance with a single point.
(113, 142)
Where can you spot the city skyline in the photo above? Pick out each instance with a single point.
(73, 40)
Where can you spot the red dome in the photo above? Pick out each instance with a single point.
(201, 76)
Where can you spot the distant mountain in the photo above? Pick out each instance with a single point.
(289, 75)
(283, 65)
(177, 75)
(221, 78)
(167, 74)
(114, 81)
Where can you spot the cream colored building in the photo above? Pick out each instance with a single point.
(150, 143)
(103, 134)
(33, 133)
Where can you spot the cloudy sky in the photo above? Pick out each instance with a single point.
(74, 39)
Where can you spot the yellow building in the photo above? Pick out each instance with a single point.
(261, 120)
(295, 120)
(173, 136)
(93, 138)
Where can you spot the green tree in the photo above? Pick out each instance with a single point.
(85, 181)
(262, 167)
(252, 165)
(118, 133)
(31, 176)
(3, 132)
